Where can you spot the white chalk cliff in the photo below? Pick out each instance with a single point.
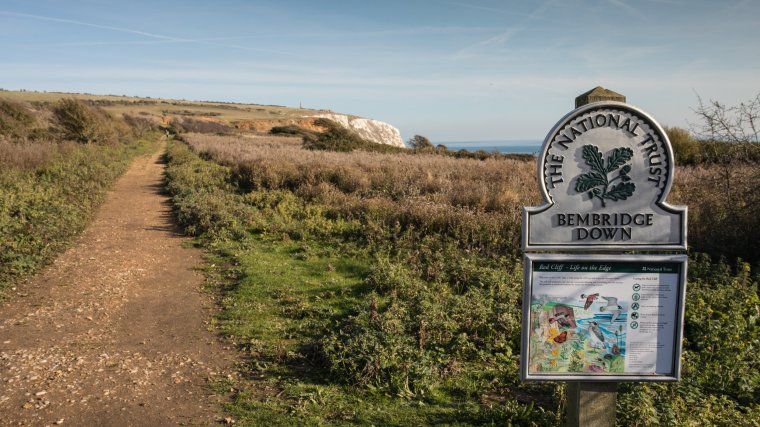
(373, 130)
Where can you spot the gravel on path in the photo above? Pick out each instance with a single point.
(115, 332)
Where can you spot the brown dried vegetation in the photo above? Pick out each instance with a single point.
(483, 197)
(724, 207)
(28, 155)
(280, 163)
(478, 201)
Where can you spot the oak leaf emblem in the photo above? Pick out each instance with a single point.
(597, 183)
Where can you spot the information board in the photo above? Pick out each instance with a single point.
(603, 317)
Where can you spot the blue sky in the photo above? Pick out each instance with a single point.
(451, 70)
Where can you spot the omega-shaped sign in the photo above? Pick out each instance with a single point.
(605, 170)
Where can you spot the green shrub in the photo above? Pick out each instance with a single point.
(76, 121)
(720, 382)
(293, 130)
(686, 149)
(723, 330)
(16, 121)
(415, 336)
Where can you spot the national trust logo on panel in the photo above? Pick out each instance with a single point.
(597, 182)
(605, 171)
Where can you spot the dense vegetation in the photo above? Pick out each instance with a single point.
(335, 137)
(718, 181)
(381, 288)
(55, 166)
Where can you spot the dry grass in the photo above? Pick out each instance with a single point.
(724, 207)
(478, 204)
(29, 155)
(477, 198)
(493, 185)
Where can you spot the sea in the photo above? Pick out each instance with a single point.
(513, 146)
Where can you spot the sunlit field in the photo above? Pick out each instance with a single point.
(378, 288)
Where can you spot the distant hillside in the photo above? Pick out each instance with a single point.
(255, 117)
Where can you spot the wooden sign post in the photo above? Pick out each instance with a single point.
(594, 314)
(591, 404)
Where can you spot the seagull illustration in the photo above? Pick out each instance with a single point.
(589, 300)
(597, 337)
(612, 307)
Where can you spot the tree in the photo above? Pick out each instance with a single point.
(728, 133)
(719, 122)
(419, 141)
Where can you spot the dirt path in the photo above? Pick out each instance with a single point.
(115, 332)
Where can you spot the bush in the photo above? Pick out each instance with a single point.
(16, 121)
(724, 204)
(686, 149)
(437, 314)
(187, 124)
(420, 142)
(720, 382)
(141, 125)
(723, 329)
(76, 121)
(726, 153)
(29, 155)
(293, 130)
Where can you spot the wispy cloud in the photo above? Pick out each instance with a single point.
(422, 30)
(531, 15)
(620, 4)
(91, 25)
(501, 39)
(160, 37)
(145, 42)
(673, 2)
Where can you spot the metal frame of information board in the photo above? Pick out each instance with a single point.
(643, 260)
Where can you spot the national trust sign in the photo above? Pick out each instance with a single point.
(605, 170)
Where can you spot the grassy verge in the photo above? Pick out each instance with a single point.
(365, 294)
(43, 207)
